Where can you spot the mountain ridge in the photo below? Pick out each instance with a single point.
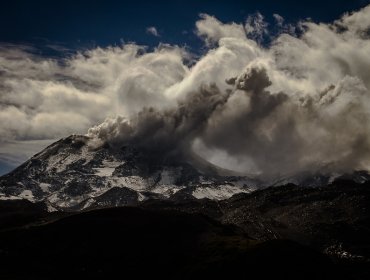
(73, 174)
(69, 173)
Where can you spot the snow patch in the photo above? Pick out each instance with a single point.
(166, 190)
(136, 183)
(50, 208)
(107, 168)
(64, 201)
(27, 194)
(141, 197)
(10, 197)
(217, 192)
(88, 203)
(111, 163)
(61, 161)
(104, 171)
(44, 187)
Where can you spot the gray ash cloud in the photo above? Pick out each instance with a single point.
(301, 103)
(279, 134)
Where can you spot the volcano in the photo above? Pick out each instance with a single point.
(70, 174)
(74, 196)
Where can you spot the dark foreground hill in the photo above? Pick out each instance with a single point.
(288, 232)
(128, 243)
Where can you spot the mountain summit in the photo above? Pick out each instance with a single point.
(74, 174)
(71, 174)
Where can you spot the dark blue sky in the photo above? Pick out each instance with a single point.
(90, 23)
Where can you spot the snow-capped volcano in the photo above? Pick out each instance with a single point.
(70, 174)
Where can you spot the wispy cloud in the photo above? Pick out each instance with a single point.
(153, 31)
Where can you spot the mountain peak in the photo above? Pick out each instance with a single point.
(74, 173)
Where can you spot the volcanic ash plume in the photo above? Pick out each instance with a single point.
(279, 134)
(296, 98)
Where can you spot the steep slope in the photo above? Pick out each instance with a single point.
(71, 174)
(74, 174)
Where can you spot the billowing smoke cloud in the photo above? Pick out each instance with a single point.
(300, 104)
(43, 98)
(164, 134)
(281, 134)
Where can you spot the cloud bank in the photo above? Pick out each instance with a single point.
(299, 104)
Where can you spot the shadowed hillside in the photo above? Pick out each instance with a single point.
(130, 242)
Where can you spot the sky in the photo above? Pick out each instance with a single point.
(65, 67)
(87, 24)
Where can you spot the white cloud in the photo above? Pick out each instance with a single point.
(212, 30)
(83, 90)
(357, 21)
(153, 31)
(325, 69)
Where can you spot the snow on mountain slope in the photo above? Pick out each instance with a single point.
(217, 193)
(70, 174)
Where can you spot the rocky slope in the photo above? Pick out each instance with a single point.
(71, 175)
(293, 226)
